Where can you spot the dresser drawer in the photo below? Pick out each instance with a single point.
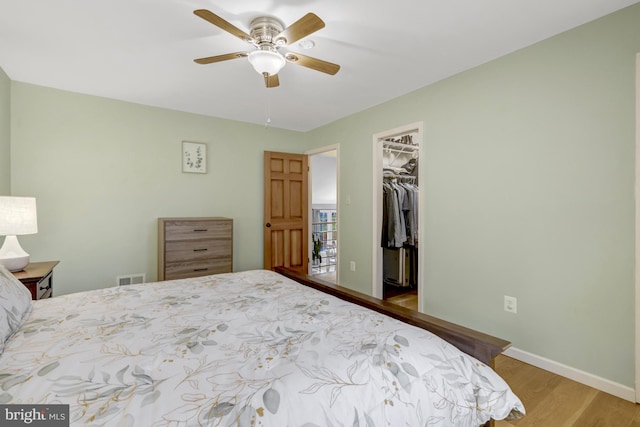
(195, 230)
(182, 270)
(185, 250)
(44, 288)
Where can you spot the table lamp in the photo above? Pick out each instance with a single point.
(17, 217)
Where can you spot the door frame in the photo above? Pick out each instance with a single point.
(637, 231)
(376, 209)
(309, 153)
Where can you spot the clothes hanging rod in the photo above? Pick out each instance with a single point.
(399, 176)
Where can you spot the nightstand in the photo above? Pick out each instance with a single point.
(38, 278)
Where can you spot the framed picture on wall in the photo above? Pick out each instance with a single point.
(194, 157)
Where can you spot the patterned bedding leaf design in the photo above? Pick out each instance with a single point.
(241, 349)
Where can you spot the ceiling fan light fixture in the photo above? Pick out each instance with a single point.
(266, 62)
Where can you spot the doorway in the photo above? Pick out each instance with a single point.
(397, 267)
(324, 213)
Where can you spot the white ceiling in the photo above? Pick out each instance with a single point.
(142, 50)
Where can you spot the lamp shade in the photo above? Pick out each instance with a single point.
(18, 216)
(266, 62)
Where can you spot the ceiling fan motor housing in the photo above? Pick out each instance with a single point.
(264, 29)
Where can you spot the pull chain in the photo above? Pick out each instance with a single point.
(267, 124)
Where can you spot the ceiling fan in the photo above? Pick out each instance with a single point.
(268, 35)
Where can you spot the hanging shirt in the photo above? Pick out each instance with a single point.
(395, 200)
(411, 214)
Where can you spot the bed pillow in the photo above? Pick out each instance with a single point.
(15, 304)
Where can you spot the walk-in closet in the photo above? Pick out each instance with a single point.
(400, 216)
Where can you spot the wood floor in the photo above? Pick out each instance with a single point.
(554, 401)
(408, 300)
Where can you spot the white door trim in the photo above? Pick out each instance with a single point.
(637, 219)
(376, 261)
(311, 152)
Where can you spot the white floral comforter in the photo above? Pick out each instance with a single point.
(243, 349)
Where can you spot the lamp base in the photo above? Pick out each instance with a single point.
(12, 256)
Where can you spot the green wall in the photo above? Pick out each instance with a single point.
(5, 134)
(529, 187)
(103, 171)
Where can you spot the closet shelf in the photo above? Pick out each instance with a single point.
(400, 146)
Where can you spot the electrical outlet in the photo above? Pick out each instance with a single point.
(510, 304)
(352, 265)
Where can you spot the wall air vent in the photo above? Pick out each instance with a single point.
(130, 279)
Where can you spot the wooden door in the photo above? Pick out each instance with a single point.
(285, 211)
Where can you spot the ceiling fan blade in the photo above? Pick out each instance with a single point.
(308, 24)
(218, 58)
(271, 81)
(313, 63)
(223, 24)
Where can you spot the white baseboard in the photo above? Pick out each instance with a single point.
(602, 384)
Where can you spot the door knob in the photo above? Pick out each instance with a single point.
(268, 224)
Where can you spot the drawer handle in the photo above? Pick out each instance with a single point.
(44, 288)
(200, 250)
(200, 269)
(197, 230)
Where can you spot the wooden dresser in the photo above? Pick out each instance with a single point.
(192, 247)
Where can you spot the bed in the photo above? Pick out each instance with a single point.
(254, 348)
